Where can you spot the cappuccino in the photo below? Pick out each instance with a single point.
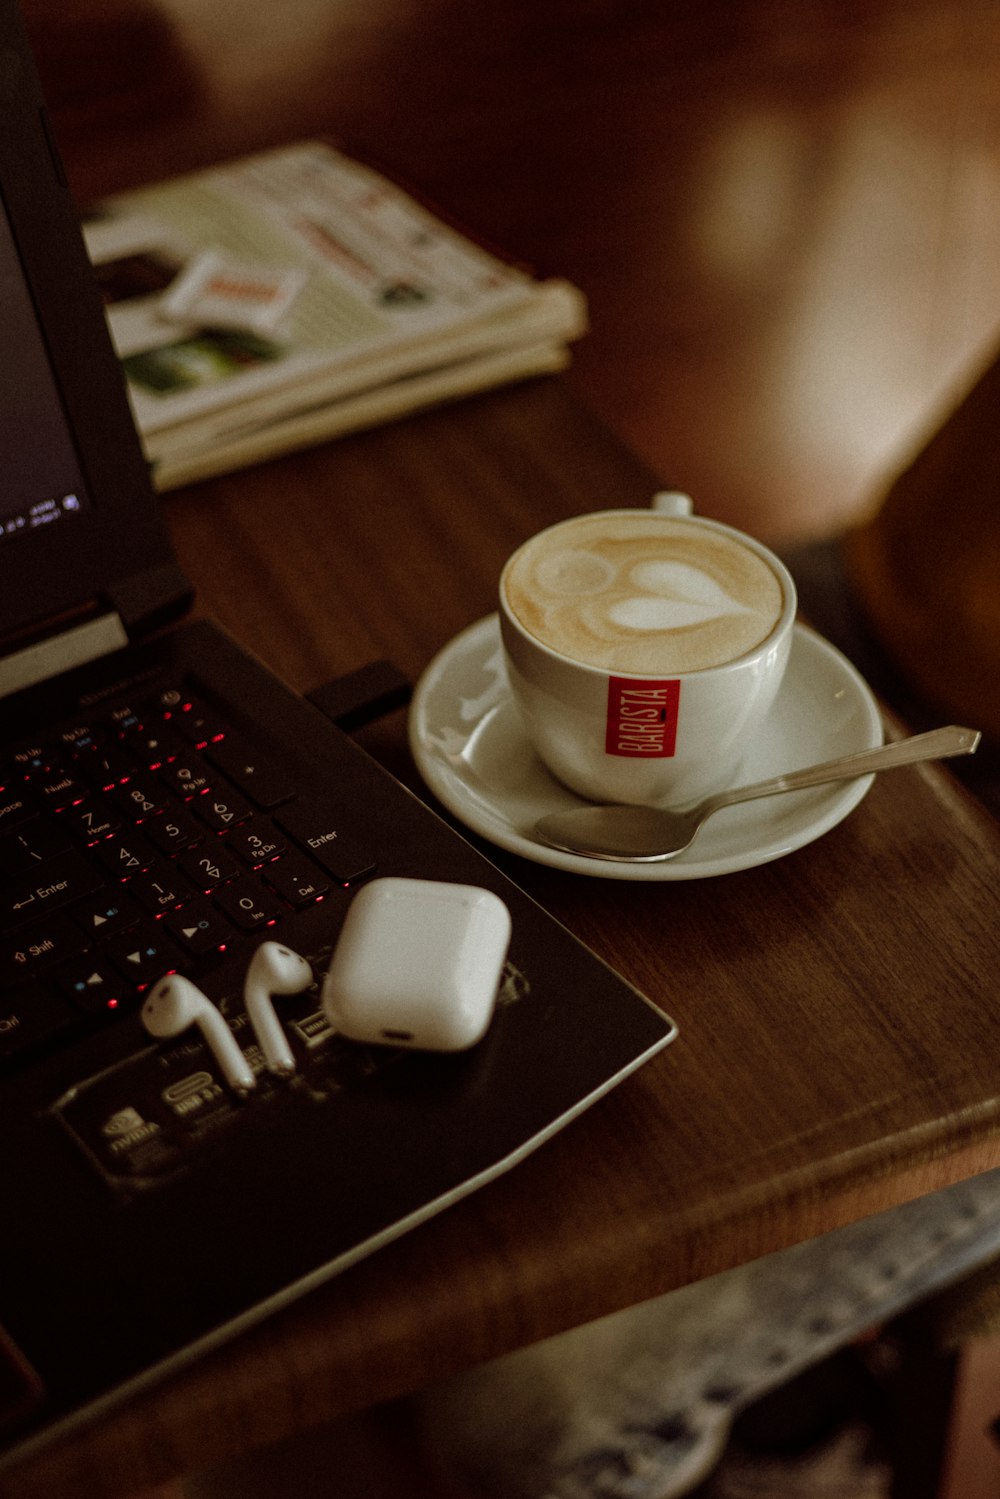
(641, 593)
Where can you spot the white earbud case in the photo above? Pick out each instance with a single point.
(418, 963)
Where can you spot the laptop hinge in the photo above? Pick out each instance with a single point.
(152, 598)
(73, 647)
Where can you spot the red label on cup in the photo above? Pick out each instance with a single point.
(642, 718)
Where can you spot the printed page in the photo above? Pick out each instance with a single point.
(283, 270)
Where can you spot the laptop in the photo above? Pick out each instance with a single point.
(165, 805)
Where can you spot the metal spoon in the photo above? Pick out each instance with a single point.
(651, 835)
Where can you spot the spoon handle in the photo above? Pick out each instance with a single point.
(939, 744)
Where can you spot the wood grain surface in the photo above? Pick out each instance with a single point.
(839, 1030)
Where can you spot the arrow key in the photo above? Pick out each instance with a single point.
(92, 984)
(144, 954)
(199, 928)
(105, 914)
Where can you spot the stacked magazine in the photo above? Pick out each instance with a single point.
(285, 298)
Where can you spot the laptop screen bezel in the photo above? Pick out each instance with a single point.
(79, 563)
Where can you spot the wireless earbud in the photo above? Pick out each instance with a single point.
(273, 970)
(174, 1004)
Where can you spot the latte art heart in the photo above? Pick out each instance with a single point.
(643, 594)
(646, 613)
(675, 595)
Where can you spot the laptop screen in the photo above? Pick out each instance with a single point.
(41, 478)
(81, 532)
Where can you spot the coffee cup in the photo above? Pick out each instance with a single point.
(644, 649)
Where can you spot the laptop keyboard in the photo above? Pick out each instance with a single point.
(146, 840)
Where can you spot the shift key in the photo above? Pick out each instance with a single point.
(320, 830)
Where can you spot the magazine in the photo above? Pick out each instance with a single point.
(285, 298)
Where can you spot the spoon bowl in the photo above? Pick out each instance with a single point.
(652, 835)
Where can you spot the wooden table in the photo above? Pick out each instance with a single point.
(840, 1037)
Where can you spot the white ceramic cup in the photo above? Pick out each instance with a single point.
(652, 732)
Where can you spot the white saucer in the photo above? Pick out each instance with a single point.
(470, 748)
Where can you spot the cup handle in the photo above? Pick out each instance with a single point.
(672, 502)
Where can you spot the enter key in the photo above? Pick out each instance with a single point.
(320, 830)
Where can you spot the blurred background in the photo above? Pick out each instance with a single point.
(785, 213)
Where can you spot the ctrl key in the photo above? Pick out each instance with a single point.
(31, 1015)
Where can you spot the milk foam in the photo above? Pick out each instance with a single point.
(643, 594)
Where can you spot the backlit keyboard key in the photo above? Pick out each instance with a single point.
(257, 842)
(62, 880)
(140, 797)
(154, 745)
(125, 855)
(247, 905)
(209, 865)
(15, 808)
(144, 954)
(93, 985)
(33, 844)
(58, 789)
(107, 766)
(296, 882)
(91, 819)
(257, 776)
(106, 913)
(321, 832)
(163, 887)
(199, 928)
(32, 759)
(221, 810)
(188, 778)
(39, 947)
(198, 724)
(174, 831)
(29, 1016)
